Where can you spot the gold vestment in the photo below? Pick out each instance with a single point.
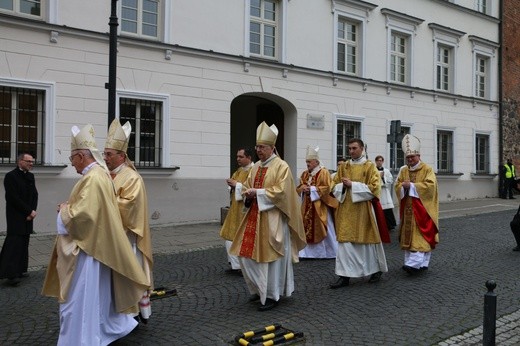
(235, 213)
(426, 185)
(355, 222)
(315, 213)
(133, 207)
(92, 220)
(269, 237)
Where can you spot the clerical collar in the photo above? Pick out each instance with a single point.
(22, 170)
(86, 169)
(263, 164)
(118, 169)
(246, 167)
(416, 167)
(359, 160)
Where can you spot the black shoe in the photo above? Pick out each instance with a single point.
(142, 319)
(233, 271)
(342, 282)
(375, 277)
(516, 248)
(269, 304)
(512, 198)
(411, 270)
(254, 298)
(24, 275)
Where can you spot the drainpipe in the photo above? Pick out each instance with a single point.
(500, 92)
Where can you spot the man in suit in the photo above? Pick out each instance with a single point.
(21, 199)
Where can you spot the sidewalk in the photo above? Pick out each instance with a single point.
(192, 237)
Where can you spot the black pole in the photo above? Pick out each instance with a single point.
(490, 314)
(112, 64)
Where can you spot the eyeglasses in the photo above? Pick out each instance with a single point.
(29, 161)
(109, 154)
(72, 156)
(261, 147)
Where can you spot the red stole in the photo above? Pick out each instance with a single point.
(381, 220)
(248, 241)
(423, 221)
(309, 214)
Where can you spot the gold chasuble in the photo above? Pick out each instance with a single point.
(94, 226)
(419, 230)
(315, 213)
(133, 207)
(235, 212)
(355, 222)
(260, 235)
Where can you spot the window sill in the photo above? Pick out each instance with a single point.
(449, 175)
(157, 171)
(483, 175)
(37, 169)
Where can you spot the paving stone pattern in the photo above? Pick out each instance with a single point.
(443, 306)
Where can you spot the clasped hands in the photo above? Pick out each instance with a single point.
(250, 193)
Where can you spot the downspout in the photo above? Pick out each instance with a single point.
(500, 92)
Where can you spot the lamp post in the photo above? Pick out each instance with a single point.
(112, 63)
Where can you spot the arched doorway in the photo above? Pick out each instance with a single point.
(249, 110)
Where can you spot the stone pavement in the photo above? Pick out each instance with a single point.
(443, 307)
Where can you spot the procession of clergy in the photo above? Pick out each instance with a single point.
(272, 223)
(101, 265)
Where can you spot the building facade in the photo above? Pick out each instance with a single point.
(195, 78)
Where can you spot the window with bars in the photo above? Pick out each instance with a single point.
(348, 41)
(399, 58)
(346, 130)
(140, 17)
(22, 115)
(482, 154)
(398, 149)
(444, 151)
(30, 7)
(263, 28)
(481, 76)
(145, 116)
(443, 68)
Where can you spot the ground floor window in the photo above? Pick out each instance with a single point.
(22, 115)
(444, 151)
(346, 130)
(144, 147)
(482, 153)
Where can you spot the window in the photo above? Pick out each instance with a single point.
(346, 130)
(30, 7)
(482, 6)
(144, 147)
(398, 157)
(263, 28)
(140, 17)
(348, 51)
(445, 44)
(22, 113)
(482, 154)
(398, 58)
(401, 29)
(444, 151)
(443, 68)
(481, 76)
(484, 67)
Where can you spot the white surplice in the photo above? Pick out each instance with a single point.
(88, 317)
